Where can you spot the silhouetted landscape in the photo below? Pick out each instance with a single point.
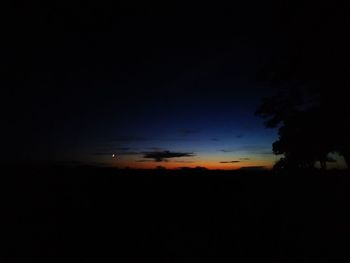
(139, 132)
(91, 214)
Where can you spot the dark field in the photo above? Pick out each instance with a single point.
(104, 215)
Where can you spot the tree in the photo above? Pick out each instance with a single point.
(311, 69)
(302, 140)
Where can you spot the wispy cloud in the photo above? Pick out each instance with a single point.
(226, 150)
(163, 156)
(230, 162)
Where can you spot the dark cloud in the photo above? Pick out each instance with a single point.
(184, 162)
(163, 156)
(143, 161)
(231, 162)
(226, 150)
(253, 168)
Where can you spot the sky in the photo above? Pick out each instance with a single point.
(170, 87)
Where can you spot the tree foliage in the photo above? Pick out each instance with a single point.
(310, 75)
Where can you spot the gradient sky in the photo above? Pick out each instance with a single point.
(214, 129)
(83, 84)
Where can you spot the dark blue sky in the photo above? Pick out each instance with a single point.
(85, 84)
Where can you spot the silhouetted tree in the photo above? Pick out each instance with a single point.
(297, 116)
(310, 71)
(302, 137)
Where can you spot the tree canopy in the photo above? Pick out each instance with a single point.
(310, 75)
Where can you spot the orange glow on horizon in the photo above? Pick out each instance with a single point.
(210, 165)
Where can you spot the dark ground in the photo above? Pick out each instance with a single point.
(103, 215)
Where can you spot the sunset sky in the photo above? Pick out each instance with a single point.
(218, 132)
(154, 88)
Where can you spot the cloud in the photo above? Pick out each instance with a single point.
(231, 162)
(244, 159)
(226, 150)
(143, 161)
(214, 139)
(163, 156)
(239, 136)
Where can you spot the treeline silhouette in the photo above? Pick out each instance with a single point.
(310, 75)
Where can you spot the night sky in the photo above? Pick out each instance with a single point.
(156, 86)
